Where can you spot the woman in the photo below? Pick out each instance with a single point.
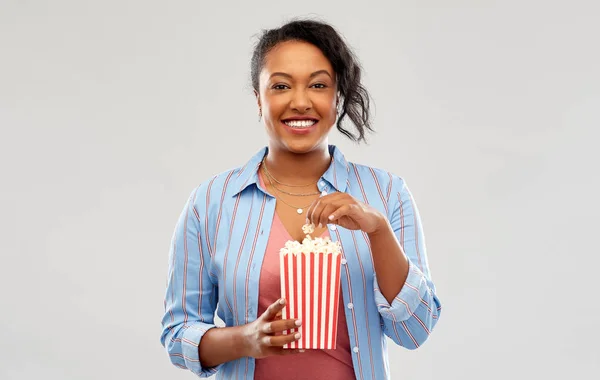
(226, 242)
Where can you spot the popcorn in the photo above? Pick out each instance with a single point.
(311, 245)
(308, 228)
(310, 282)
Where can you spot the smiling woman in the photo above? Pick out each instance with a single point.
(225, 248)
(297, 95)
(318, 50)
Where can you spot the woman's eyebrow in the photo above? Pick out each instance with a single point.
(282, 74)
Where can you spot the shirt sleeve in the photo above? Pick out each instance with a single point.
(415, 310)
(191, 297)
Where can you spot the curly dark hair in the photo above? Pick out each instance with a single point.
(354, 96)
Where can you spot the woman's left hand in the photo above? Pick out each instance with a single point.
(347, 212)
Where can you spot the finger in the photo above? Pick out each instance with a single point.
(281, 325)
(273, 309)
(312, 206)
(325, 212)
(345, 210)
(318, 210)
(311, 209)
(280, 340)
(334, 201)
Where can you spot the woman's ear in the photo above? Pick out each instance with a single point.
(257, 95)
(259, 105)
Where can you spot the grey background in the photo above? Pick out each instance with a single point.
(112, 111)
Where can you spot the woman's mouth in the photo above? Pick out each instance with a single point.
(300, 124)
(300, 127)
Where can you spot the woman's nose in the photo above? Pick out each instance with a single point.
(301, 101)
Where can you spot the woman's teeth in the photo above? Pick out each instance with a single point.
(300, 123)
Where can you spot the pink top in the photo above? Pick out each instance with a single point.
(312, 364)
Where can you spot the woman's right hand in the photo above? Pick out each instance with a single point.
(264, 337)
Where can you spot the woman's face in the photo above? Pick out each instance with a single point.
(297, 95)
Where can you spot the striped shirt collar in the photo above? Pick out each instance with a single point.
(336, 175)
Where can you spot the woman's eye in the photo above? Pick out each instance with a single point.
(279, 87)
(319, 85)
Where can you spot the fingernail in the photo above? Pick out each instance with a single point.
(297, 336)
(282, 301)
(320, 225)
(298, 322)
(331, 217)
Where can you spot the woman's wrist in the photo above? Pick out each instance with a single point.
(241, 340)
(383, 227)
(223, 344)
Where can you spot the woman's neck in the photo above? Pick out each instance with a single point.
(297, 169)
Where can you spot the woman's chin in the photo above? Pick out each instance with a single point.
(301, 146)
(298, 143)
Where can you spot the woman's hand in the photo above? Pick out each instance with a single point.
(347, 212)
(264, 337)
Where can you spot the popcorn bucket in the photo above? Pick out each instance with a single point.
(310, 283)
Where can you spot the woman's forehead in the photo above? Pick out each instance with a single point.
(296, 58)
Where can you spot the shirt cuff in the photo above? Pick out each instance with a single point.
(190, 341)
(406, 302)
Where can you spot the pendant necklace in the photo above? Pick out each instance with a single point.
(299, 210)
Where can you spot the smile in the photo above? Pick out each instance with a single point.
(299, 124)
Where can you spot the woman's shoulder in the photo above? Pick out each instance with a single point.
(380, 177)
(216, 187)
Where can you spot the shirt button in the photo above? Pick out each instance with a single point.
(355, 349)
(344, 261)
(323, 193)
(333, 227)
(321, 183)
(350, 305)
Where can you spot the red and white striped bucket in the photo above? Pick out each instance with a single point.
(310, 284)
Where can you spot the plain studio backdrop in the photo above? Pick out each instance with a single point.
(113, 111)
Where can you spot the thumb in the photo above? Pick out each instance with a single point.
(273, 309)
(345, 210)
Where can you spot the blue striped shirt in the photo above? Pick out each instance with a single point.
(217, 251)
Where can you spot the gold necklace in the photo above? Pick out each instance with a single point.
(271, 179)
(264, 162)
(299, 210)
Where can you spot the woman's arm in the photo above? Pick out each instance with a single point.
(404, 291)
(221, 345)
(391, 264)
(189, 334)
(257, 339)
(191, 297)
